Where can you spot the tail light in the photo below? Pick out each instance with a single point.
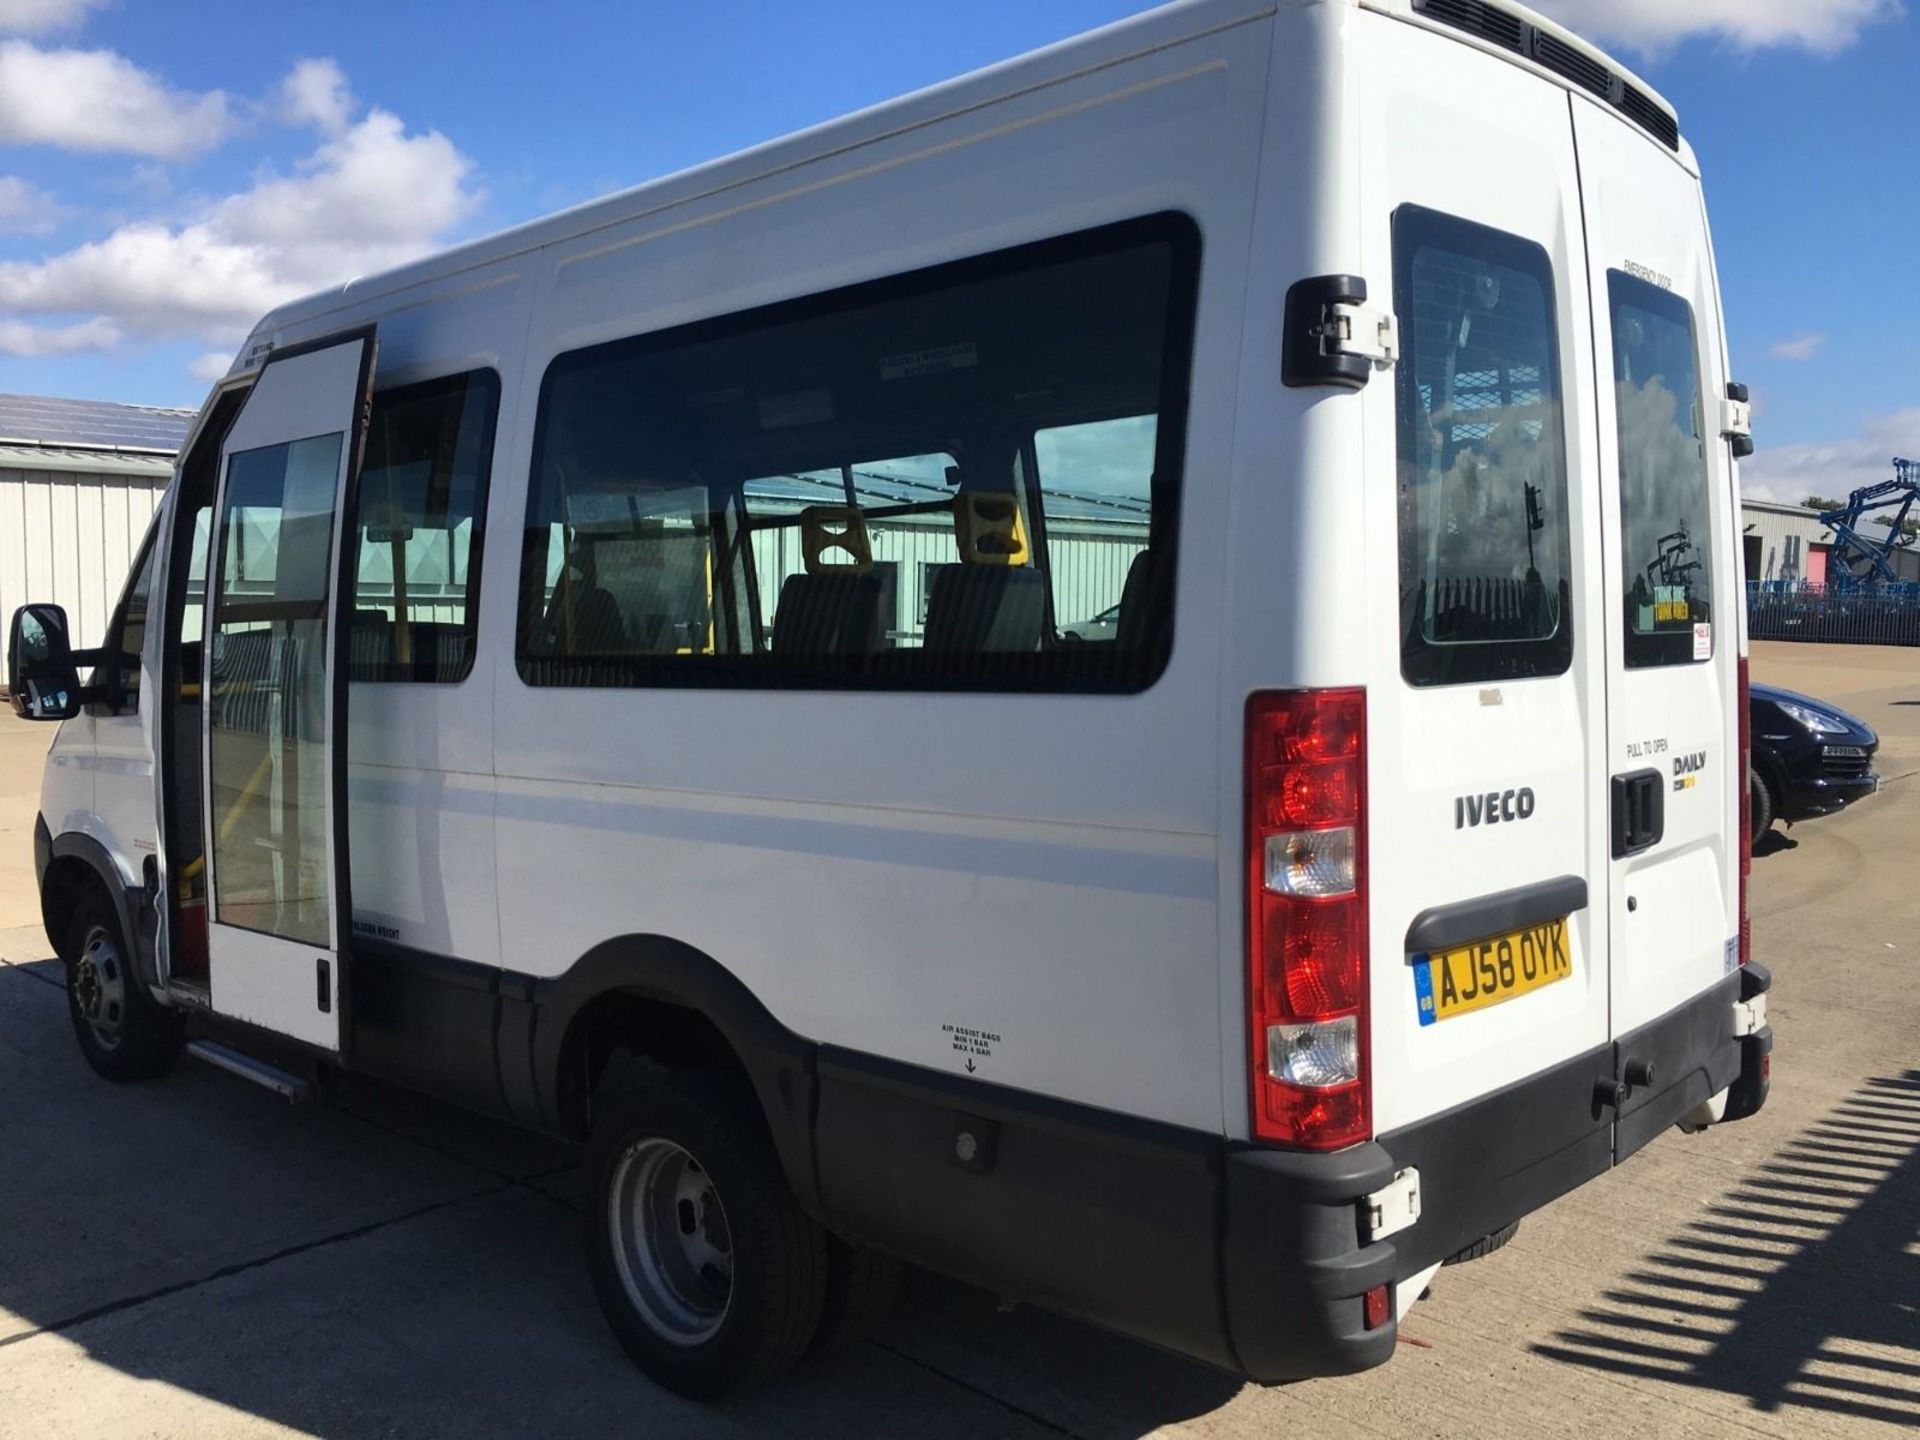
(1744, 779)
(1307, 917)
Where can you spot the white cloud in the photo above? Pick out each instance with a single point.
(37, 17)
(1790, 473)
(211, 366)
(27, 209)
(1803, 346)
(1657, 25)
(369, 198)
(21, 339)
(316, 93)
(97, 100)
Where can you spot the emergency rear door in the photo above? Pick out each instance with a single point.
(273, 762)
(1672, 637)
(1487, 835)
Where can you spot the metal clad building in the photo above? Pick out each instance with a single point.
(79, 481)
(1787, 545)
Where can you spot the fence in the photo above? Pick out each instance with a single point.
(1812, 612)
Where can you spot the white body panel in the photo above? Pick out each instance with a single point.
(1063, 872)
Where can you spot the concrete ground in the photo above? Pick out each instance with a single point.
(192, 1257)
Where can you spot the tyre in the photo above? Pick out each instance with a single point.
(708, 1272)
(1759, 804)
(123, 1031)
(861, 1286)
(1496, 1241)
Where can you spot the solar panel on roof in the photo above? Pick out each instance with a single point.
(50, 420)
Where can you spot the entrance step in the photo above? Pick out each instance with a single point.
(295, 1088)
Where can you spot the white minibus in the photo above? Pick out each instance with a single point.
(1122, 678)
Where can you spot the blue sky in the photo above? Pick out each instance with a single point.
(169, 171)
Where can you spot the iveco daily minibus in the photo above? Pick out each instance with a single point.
(1122, 678)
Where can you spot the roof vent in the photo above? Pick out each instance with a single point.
(1509, 31)
(1576, 65)
(1478, 18)
(1641, 109)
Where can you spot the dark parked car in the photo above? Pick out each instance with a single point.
(1809, 757)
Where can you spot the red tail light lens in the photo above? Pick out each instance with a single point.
(1744, 780)
(1307, 917)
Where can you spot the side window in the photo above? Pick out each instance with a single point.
(423, 496)
(955, 479)
(1485, 542)
(1666, 543)
(120, 664)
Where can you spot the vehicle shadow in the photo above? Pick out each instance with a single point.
(1799, 1288)
(380, 1263)
(1773, 843)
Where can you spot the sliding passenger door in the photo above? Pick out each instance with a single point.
(1672, 629)
(1486, 705)
(273, 761)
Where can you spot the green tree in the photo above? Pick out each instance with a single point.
(1820, 502)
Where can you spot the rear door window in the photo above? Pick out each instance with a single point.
(1667, 551)
(1485, 553)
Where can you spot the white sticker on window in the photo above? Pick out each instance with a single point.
(1703, 640)
(916, 363)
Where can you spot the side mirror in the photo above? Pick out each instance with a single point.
(45, 683)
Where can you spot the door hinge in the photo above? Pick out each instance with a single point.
(1392, 1208)
(1750, 1016)
(1333, 337)
(1736, 420)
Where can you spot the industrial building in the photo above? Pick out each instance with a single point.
(1787, 545)
(79, 480)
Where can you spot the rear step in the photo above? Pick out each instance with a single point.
(297, 1090)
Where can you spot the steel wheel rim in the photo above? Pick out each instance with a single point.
(100, 988)
(671, 1243)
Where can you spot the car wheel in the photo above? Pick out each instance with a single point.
(1759, 805)
(1486, 1246)
(706, 1269)
(123, 1031)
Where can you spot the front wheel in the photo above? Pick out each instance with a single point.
(1759, 806)
(123, 1031)
(705, 1267)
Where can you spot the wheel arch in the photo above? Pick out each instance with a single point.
(667, 1001)
(74, 864)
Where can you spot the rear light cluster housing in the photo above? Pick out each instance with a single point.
(1744, 780)
(1307, 971)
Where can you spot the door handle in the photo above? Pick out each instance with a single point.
(1639, 811)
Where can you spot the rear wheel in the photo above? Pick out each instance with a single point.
(704, 1265)
(1759, 805)
(123, 1031)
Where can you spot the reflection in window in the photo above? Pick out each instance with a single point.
(1485, 541)
(1666, 544)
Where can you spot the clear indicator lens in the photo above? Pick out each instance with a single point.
(1317, 1055)
(1311, 863)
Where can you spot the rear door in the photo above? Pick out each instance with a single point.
(1672, 640)
(1487, 707)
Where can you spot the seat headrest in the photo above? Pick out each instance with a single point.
(825, 529)
(988, 529)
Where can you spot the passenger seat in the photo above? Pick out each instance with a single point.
(985, 609)
(829, 614)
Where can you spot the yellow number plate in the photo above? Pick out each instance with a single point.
(1452, 982)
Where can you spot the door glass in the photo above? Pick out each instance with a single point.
(267, 695)
(1485, 548)
(1666, 548)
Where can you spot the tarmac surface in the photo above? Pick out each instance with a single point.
(194, 1257)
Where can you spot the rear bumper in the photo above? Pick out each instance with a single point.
(1296, 1267)
(1249, 1259)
